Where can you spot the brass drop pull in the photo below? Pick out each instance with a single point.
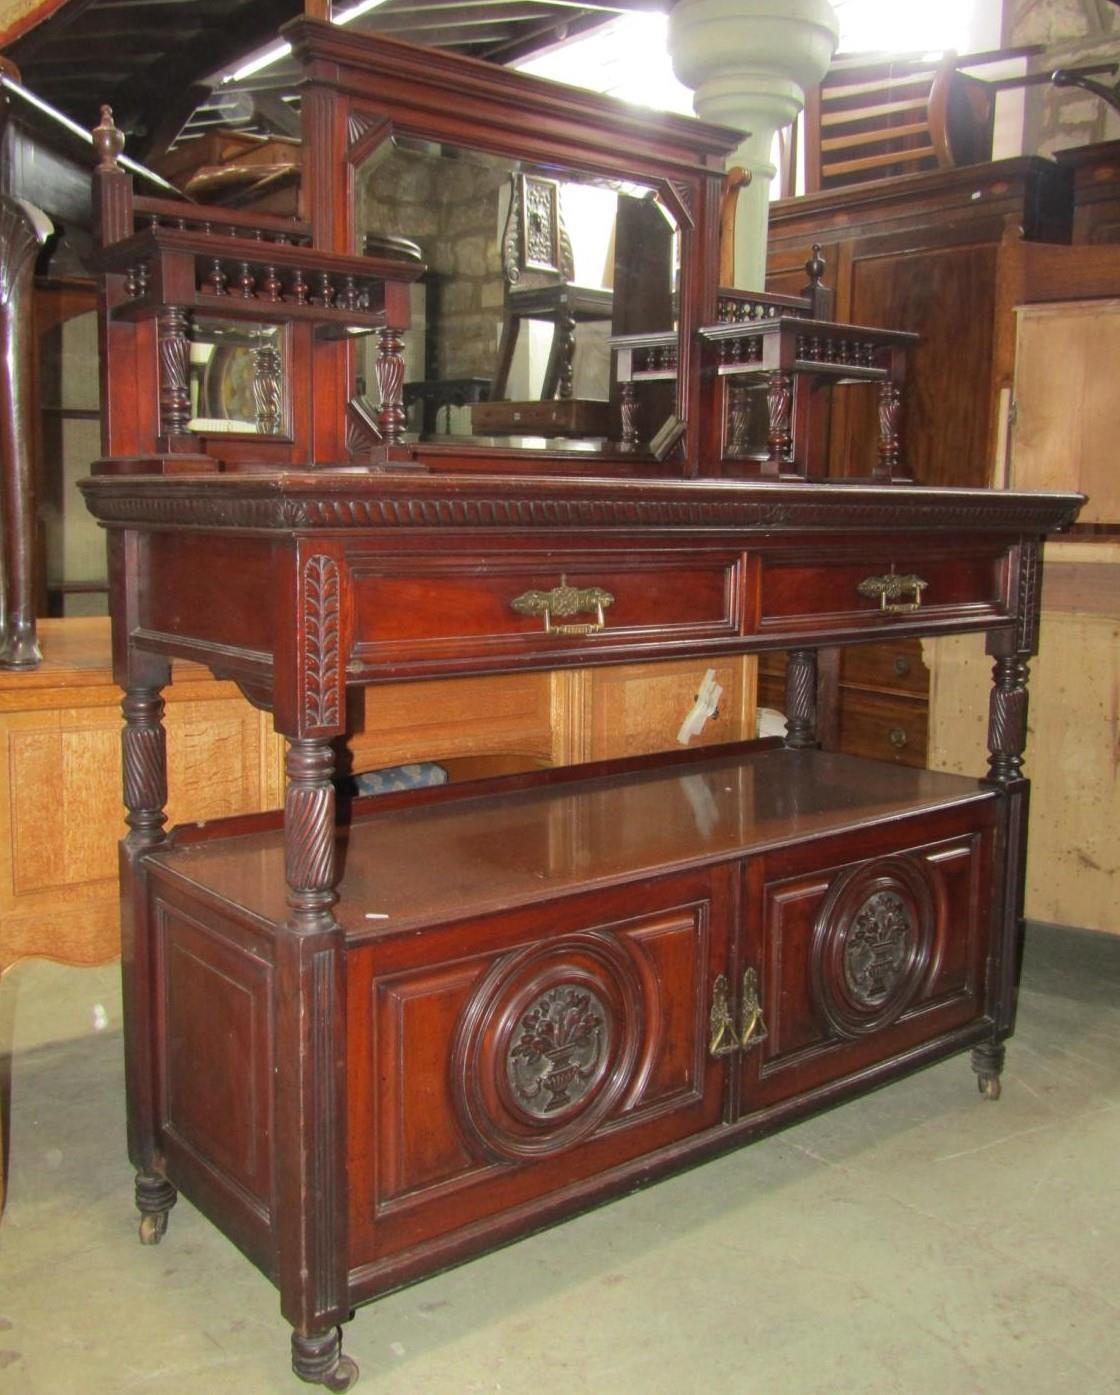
(565, 600)
(752, 1025)
(891, 590)
(724, 1039)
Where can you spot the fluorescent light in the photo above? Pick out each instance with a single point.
(261, 61)
(363, 7)
(278, 51)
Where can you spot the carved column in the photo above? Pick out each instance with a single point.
(266, 389)
(629, 409)
(1007, 718)
(174, 330)
(309, 1005)
(390, 383)
(144, 765)
(23, 230)
(738, 417)
(801, 699)
(1007, 739)
(779, 402)
(566, 336)
(890, 407)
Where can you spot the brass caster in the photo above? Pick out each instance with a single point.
(989, 1086)
(318, 1360)
(153, 1226)
(344, 1374)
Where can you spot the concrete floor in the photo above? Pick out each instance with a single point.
(918, 1240)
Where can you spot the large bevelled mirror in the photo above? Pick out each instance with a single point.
(529, 272)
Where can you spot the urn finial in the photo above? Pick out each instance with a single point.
(107, 141)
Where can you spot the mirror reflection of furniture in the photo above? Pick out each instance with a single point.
(539, 269)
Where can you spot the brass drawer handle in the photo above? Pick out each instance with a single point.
(565, 600)
(898, 738)
(891, 589)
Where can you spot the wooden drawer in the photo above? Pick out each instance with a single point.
(897, 667)
(822, 593)
(421, 615)
(862, 957)
(475, 1086)
(572, 416)
(883, 726)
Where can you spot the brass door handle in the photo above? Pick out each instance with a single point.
(724, 1037)
(752, 1025)
(891, 589)
(565, 600)
(723, 1040)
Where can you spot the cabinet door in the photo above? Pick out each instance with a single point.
(511, 1059)
(866, 946)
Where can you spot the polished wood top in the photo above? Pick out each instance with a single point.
(408, 867)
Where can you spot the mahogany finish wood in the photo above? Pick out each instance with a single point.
(367, 1047)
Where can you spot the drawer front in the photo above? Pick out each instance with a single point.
(838, 594)
(897, 666)
(863, 958)
(555, 417)
(883, 726)
(500, 1061)
(425, 614)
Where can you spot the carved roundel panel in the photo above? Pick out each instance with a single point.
(874, 943)
(547, 1045)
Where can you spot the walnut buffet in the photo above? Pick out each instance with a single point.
(372, 1041)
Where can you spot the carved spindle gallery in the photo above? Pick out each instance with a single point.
(217, 282)
(247, 282)
(272, 286)
(299, 288)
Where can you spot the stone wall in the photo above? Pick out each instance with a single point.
(1075, 33)
(451, 204)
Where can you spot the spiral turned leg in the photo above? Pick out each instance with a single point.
(318, 1360)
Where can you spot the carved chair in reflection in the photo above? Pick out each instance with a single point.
(540, 275)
